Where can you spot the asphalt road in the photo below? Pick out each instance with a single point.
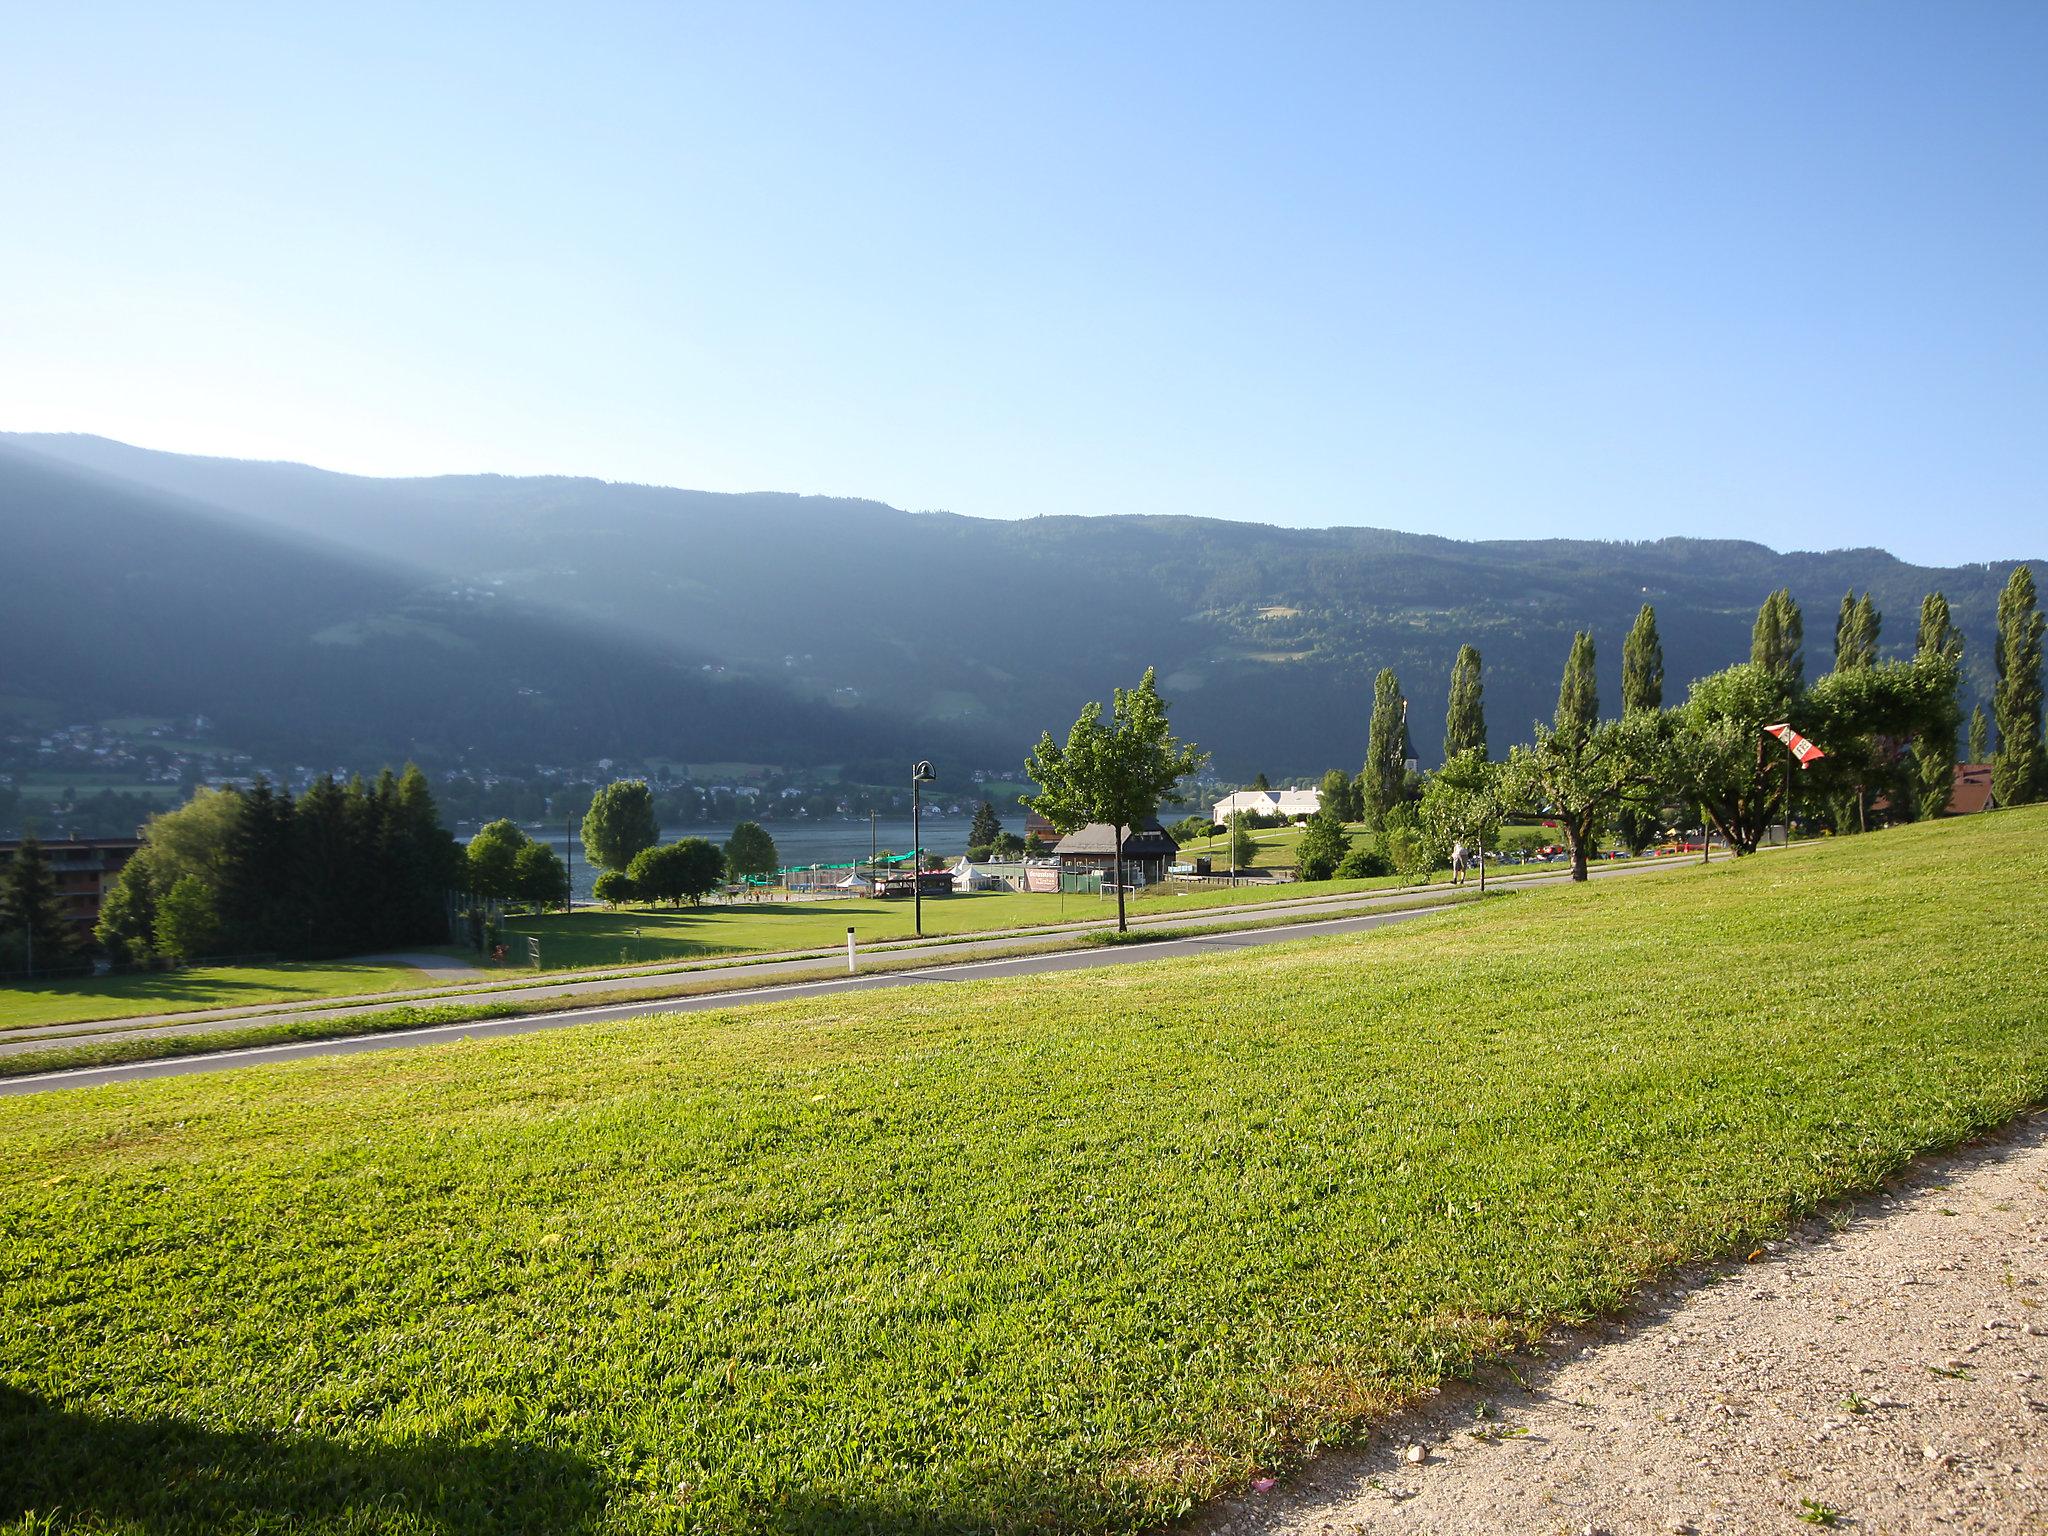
(966, 970)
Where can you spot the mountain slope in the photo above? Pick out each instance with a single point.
(936, 628)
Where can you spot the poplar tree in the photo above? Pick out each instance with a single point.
(1777, 642)
(1385, 774)
(1578, 696)
(1465, 719)
(1980, 735)
(1934, 751)
(1856, 629)
(1642, 665)
(2018, 772)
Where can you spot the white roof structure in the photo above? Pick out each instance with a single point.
(1268, 802)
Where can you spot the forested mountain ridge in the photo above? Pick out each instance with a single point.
(850, 628)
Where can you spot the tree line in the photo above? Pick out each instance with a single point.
(342, 868)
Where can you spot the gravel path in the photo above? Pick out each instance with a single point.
(1891, 1376)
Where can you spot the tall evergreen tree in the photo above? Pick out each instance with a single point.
(1642, 664)
(982, 832)
(1465, 719)
(1934, 750)
(2019, 772)
(257, 896)
(1777, 642)
(36, 935)
(1578, 695)
(1385, 774)
(1980, 735)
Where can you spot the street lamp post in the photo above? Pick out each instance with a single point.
(920, 775)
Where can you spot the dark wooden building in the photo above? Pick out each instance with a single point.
(1149, 849)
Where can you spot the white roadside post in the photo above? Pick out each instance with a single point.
(849, 951)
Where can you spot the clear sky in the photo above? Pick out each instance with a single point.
(1771, 271)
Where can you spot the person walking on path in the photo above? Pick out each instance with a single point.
(1457, 863)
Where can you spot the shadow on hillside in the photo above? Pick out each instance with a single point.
(166, 1475)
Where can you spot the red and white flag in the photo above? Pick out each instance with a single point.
(1796, 744)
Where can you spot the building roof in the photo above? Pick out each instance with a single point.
(1145, 839)
(1972, 792)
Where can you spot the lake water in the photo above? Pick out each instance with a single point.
(821, 842)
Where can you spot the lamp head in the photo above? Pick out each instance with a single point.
(921, 772)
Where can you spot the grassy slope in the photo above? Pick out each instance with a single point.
(1068, 1252)
(216, 986)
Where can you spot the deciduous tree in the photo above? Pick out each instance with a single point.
(1578, 694)
(678, 872)
(619, 824)
(1465, 716)
(186, 924)
(1934, 749)
(1642, 664)
(1777, 642)
(1577, 778)
(1322, 847)
(1117, 773)
(2019, 772)
(750, 851)
(1383, 780)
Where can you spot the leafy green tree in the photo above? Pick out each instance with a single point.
(1856, 630)
(1719, 754)
(1323, 845)
(2019, 773)
(1578, 694)
(1778, 640)
(1862, 718)
(39, 938)
(1980, 735)
(494, 860)
(1337, 791)
(750, 851)
(1116, 774)
(615, 888)
(186, 924)
(1008, 845)
(1383, 781)
(539, 877)
(1577, 778)
(677, 872)
(1642, 664)
(127, 921)
(1364, 863)
(1465, 718)
(1934, 749)
(619, 824)
(1464, 803)
(1243, 848)
(194, 839)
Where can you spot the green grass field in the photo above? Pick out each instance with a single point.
(1065, 1253)
(214, 986)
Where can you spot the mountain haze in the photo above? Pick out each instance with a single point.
(554, 618)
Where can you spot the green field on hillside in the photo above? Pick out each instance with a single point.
(1058, 1253)
(200, 987)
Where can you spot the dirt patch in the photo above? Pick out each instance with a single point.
(1884, 1373)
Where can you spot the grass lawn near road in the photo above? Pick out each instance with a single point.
(636, 935)
(1066, 1253)
(201, 987)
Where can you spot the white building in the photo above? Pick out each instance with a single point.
(1294, 804)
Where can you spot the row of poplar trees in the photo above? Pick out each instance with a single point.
(1890, 729)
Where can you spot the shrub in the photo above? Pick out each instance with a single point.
(1364, 864)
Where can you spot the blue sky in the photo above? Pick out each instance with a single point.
(1619, 271)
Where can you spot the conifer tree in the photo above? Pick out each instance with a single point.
(1642, 664)
(1385, 774)
(1578, 695)
(1934, 750)
(984, 829)
(2019, 773)
(38, 937)
(1465, 719)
